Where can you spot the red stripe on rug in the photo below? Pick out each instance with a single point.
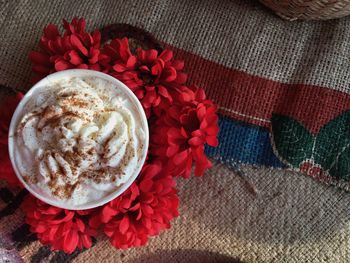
(253, 99)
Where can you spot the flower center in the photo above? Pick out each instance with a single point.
(147, 78)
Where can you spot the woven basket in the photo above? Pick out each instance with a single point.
(309, 9)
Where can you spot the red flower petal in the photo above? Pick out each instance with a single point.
(212, 141)
(175, 133)
(195, 141)
(51, 32)
(146, 185)
(76, 43)
(152, 170)
(107, 214)
(74, 57)
(131, 62)
(39, 58)
(197, 133)
(147, 209)
(200, 95)
(62, 65)
(201, 112)
(171, 150)
(144, 68)
(166, 55)
(83, 66)
(119, 67)
(178, 64)
(70, 241)
(40, 228)
(157, 68)
(213, 130)
(96, 36)
(180, 157)
(80, 225)
(124, 225)
(94, 55)
(169, 74)
(52, 210)
(151, 55)
(86, 241)
(41, 69)
(181, 78)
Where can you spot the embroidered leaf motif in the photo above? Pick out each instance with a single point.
(293, 141)
(341, 168)
(332, 140)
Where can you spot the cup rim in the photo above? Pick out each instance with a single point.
(77, 73)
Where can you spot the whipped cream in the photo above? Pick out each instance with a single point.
(78, 140)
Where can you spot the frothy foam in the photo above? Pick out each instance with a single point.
(78, 140)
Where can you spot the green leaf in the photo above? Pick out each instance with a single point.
(332, 139)
(292, 140)
(341, 166)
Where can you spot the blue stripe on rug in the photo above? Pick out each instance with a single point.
(244, 143)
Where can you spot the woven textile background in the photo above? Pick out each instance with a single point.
(252, 64)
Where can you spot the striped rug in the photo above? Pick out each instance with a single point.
(283, 94)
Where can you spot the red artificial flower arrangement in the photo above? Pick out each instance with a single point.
(181, 121)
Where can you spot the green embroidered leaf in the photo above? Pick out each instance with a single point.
(341, 167)
(292, 140)
(332, 139)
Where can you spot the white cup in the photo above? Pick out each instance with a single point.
(18, 114)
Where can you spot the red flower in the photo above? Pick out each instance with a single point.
(117, 55)
(75, 49)
(183, 122)
(183, 132)
(7, 109)
(151, 76)
(192, 94)
(145, 209)
(63, 229)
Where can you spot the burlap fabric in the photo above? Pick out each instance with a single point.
(292, 218)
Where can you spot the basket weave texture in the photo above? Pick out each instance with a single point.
(309, 9)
